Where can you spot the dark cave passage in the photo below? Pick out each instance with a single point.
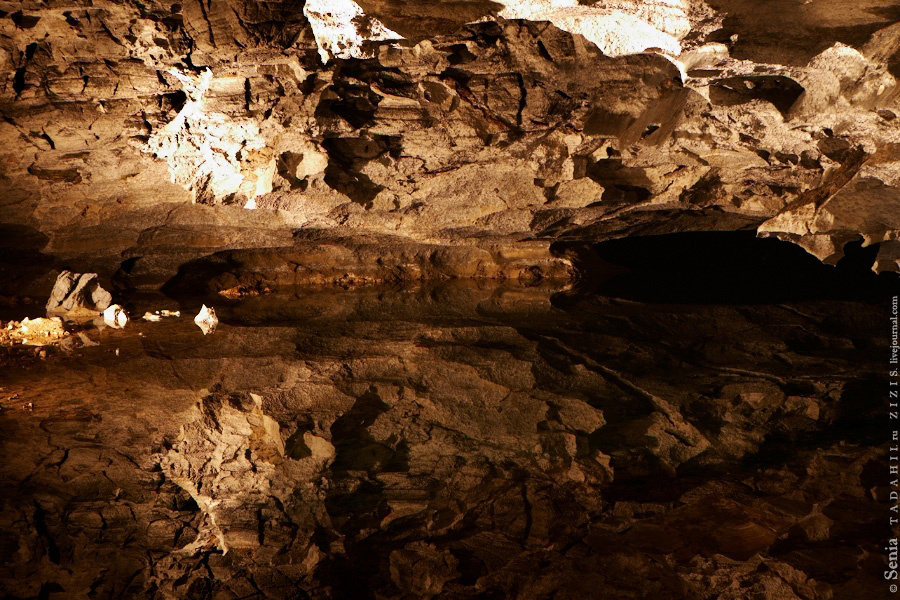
(733, 267)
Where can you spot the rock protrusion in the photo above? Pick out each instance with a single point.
(78, 292)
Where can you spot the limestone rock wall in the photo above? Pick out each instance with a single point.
(441, 123)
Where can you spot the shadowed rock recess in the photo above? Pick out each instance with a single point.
(516, 298)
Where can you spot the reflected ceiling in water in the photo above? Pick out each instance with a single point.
(463, 440)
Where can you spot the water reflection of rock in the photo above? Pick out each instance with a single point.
(462, 440)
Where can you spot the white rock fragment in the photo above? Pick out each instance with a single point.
(170, 313)
(206, 319)
(115, 316)
(148, 316)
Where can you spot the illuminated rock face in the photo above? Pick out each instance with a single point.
(442, 123)
(203, 150)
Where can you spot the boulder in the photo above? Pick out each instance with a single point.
(76, 292)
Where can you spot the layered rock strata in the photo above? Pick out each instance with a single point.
(443, 124)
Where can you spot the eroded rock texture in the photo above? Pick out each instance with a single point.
(466, 438)
(439, 123)
(457, 442)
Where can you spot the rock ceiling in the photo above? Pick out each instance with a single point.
(460, 123)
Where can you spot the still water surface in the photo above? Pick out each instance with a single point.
(461, 440)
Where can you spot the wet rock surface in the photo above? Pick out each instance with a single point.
(461, 441)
